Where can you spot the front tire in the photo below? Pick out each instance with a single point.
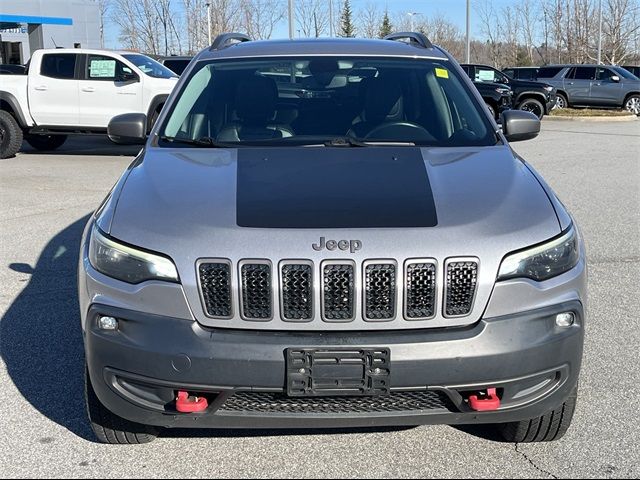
(492, 111)
(632, 104)
(561, 101)
(532, 105)
(45, 142)
(10, 135)
(546, 428)
(109, 427)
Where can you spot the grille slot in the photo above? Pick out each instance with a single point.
(215, 284)
(420, 290)
(338, 288)
(380, 291)
(256, 290)
(460, 288)
(258, 402)
(297, 291)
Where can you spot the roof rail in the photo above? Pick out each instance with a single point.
(228, 39)
(415, 38)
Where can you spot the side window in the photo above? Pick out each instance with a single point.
(605, 74)
(59, 65)
(484, 74)
(103, 68)
(511, 72)
(585, 73)
(550, 72)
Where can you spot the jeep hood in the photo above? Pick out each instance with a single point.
(275, 203)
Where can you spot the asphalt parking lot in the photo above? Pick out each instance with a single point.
(44, 203)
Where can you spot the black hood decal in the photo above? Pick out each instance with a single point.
(369, 187)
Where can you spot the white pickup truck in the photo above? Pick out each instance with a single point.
(77, 91)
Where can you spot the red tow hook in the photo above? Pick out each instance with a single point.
(187, 404)
(485, 402)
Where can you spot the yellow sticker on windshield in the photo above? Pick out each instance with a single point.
(442, 73)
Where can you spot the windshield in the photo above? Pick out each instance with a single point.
(314, 100)
(149, 66)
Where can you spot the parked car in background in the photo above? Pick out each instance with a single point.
(10, 69)
(522, 73)
(633, 69)
(498, 97)
(175, 63)
(77, 91)
(535, 97)
(599, 86)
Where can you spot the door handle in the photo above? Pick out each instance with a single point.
(571, 83)
(41, 88)
(88, 89)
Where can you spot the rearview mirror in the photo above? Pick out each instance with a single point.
(519, 125)
(128, 129)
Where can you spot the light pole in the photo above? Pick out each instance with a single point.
(600, 33)
(208, 4)
(331, 18)
(411, 15)
(468, 46)
(291, 20)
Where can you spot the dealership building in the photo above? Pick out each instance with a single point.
(28, 25)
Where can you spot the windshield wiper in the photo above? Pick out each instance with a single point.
(206, 142)
(344, 142)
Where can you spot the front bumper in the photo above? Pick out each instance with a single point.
(137, 369)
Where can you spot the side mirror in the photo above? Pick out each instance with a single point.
(125, 77)
(128, 129)
(615, 78)
(519, 125)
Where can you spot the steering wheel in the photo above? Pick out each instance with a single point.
(400, 131)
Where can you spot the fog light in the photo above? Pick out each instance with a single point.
(108, 323)
(565, 319)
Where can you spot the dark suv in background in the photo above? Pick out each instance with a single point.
(535, 97)
(177, 64)
(601, 86)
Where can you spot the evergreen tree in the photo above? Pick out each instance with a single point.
(347, 28)
(386, 28)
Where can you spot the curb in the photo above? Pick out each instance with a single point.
(561, 118)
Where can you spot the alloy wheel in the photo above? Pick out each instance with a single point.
(633, 105)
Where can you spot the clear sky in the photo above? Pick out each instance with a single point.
(454, 10)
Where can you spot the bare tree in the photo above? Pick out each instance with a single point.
(103, 10)
(510, 34)
(529, 12)
(312, 17)
(491, 26)
(369, 20)
(261, 17)
(621, 19)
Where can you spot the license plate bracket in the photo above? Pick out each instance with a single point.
(322, 372)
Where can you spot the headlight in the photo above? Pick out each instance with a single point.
(503, 91)
(548, 88)
(544, 261)
(126, 263)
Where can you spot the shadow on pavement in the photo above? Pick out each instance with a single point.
(40, 334)
(85, 145)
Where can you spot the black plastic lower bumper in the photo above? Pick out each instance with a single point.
(137, 370)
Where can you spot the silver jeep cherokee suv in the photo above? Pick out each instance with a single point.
(330, 233)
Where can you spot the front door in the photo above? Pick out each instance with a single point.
(605, 91)
(104, 93)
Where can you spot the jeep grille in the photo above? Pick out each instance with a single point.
(339, 290)
(215, 284)
(256, 291)
(460, 287)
